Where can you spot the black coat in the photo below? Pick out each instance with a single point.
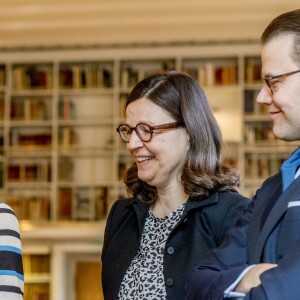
(202, 227)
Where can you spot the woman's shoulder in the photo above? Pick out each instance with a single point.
(8, 220)
(124, 206)
(5, 206)
(230, 206)
(232, 196)
(122, 203)
(6, 209)
(229, 200)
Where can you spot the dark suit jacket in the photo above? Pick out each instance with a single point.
(245, 245)
(201, 228)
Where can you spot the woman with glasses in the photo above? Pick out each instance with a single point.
(182, 198)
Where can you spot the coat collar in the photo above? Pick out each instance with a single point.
(192, 203)
(141, 209)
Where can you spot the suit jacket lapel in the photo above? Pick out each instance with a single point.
(274, 215)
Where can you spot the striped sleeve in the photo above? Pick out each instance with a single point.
(11, 266)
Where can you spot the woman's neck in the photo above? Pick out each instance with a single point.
(167, 202)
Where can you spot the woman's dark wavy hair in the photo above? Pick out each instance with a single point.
(203, 172)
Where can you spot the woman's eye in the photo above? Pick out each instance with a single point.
(146, 130)
(126, 130)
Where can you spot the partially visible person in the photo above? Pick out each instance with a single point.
(260, 259)
(11, 266)
(182, 198)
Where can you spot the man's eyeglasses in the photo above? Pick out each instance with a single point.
(143, 131)
(268, 80)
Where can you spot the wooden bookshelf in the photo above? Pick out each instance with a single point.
(61, 160)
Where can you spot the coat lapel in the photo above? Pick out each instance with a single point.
(276, 212)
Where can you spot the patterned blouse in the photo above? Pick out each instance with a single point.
(144, 278)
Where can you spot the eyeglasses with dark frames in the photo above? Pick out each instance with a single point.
(143, 130)
(268, 80)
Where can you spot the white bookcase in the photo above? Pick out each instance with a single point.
(61, 160)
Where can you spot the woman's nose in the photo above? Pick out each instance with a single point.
(134, 141)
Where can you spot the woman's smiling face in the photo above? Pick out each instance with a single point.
(159, 161)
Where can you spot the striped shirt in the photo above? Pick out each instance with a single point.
(11, 266)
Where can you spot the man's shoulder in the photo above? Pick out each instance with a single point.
(271, 183)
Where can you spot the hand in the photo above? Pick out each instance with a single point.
(252, 278)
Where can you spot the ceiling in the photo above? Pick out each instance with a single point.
(57, 23)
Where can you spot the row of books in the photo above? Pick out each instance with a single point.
(85, 76)
(2, 75)
(122, 105)
(35, 208)
(39, 171)
(258, 133)
(68, 137)
(36, 263)
(253, 71)
(65, 169)
(37, 291)
(251, 107)
(31, 138)
(2, 106)
(66, 109)
(32, 77)
(29, 109)
(124, 164)
(82, 204)
(210, 74)
(132, 74)
(261, 166)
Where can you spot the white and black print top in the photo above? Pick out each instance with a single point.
(144, 279)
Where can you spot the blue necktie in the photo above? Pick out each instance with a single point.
(289, 168)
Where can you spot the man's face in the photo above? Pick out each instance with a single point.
(283, 95)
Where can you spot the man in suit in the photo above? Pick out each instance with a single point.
(260, 258)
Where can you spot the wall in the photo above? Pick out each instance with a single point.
(56, 23)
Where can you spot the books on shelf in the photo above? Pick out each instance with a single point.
(2, 75)
(82, 203)
(135, 71)
(125, 161)
(90, 203)
(67, 137)
(253, 70)
(36, 264)
(262, 166)
(251, 107)
(33, 138)
(29, 108)
(122, 105)
(66, 108)
(37, 291)
(25, 171)
(27, 77)
(64, 203)
(33, 208)
(65, 168)
(86, 75)
(212, 73)
(101, 202)
(256, 132)
(2, 107)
